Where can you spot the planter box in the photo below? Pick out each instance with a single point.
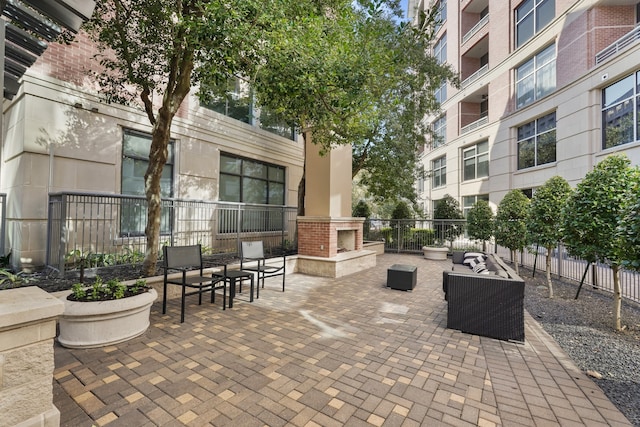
(437, 253)
(102, 323)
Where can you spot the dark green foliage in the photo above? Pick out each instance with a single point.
(510, 225)
(447, 208)
(480, 222)
(362, 210)
(545, 218)
(422, 237)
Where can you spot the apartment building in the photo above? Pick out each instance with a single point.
(60, 135)
(548, 87)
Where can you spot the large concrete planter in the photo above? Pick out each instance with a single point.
(101, 323)
(437, 253)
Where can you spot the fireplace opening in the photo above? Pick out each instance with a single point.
(346, 240)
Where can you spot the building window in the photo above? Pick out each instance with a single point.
(439, 171)
(440, 50)
(441, 14)
(531, 17)
(536, 77)
(476, 161)
(621, 112)
(469, 201)
(537, 142)
(440, 131)
(249, 181)
(441, 93)
(135, 161)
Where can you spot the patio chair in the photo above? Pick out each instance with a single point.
(185, 259)
(253, 252)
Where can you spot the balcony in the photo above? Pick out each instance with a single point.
(475, 76)
(623, 42)
(475, 125)
(481, 23)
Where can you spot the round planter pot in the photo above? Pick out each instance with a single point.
(101, 323)
(437, 253)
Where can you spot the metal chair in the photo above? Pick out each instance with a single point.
(253, 252)
(185, 259)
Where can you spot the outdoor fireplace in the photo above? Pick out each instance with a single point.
(326, 237)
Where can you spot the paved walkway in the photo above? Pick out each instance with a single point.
(327, 352)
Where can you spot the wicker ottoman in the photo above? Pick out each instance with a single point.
(402, 277)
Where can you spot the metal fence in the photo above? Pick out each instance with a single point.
(409, 236)
(97, 230)
(3, 225)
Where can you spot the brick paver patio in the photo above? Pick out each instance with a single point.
(327, 352)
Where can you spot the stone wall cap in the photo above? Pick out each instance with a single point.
(26, 305)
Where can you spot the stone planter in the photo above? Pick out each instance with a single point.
(438, 253)
(101, 323)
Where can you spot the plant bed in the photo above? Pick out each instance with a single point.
(105, 313)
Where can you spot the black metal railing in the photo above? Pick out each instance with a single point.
(97, 230)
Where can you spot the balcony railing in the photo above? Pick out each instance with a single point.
(481, 23)
(99, 230)
(624, 41)
(475, 76)
(472, 126)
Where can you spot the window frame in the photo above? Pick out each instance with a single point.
(535, 138)
(439, 172)
(133, 214)
(628, 106)
(467, 207)
(477, 162)
(440, 49)
(534, 13)
(532, 77)
(245, 175)
(439, 131)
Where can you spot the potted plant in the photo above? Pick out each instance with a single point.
(105, 313)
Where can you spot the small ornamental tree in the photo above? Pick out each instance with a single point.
(480, 222)
(448, 208)
(630, 229)
(362, 210)
(402, 223)
(510, 227)
(593, 214)
(544, 222)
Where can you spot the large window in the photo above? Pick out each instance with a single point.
(135, 161)
(440, 131)
(531, 17)
(476, 161)
(537, 142)
(250, 181)
(440, 50)
(441, 14)
(469, 201)
(441, 93)
(621, 112)
(439, 171)
(536, 77)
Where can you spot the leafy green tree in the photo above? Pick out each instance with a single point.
(362, 210)
(480, 222)
(545, 219)
(593, 214)
(510, 224)
(448, 208)
(362, 78)
(402, 223)
(630, 229)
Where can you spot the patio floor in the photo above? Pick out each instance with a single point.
(327, 352)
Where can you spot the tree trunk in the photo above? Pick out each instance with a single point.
(301, 184)
(548, 270)
(617, 298)
(513, 260)
(157, 159)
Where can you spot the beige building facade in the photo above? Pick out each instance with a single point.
(60, 136)
(548, 87)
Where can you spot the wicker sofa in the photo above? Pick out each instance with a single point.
(487, 302)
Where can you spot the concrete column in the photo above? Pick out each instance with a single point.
(27, 330)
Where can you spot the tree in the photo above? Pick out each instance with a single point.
(545, 220)
(448, 208)
(403, 222)
(630, 229)
(363, 79)
(362, 210)
(510, 224)
(480, 222)
(593, 214)
(162, 48)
